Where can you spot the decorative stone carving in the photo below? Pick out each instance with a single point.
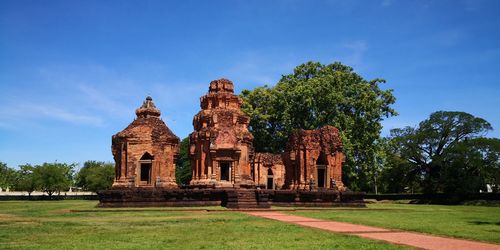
(145, 152)
(221, 144)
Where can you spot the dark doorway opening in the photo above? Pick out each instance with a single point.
(146, 168)
(224, 171)
(270, 179)
(270, 183)
(321, 165)
(146, 172)
(321, 177)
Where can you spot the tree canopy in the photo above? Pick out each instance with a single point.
(183, 164)
(95, 176)
(53, 177)
(7, 176)
(446, 153)
(26, 179)
(315, 95)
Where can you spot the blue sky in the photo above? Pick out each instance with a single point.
(72, 73)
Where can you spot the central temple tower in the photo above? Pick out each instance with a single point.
(221, 145)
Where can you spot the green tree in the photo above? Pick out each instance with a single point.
(470, 165)
(95, 176)
(397, 175)
(26, 179)
(183, 165)
(443, 149)
(7, 176)
(53, 177)
(316, 95)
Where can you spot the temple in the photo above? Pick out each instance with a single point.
(221, 145)
(221, 151)
(145, 152)
(225, 169)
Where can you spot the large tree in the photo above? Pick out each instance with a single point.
(53, 177)
(26, 179)
(183, 164)
(470, 165)
(95, 176)
(447, 150)
(7, 176)
(315, 95)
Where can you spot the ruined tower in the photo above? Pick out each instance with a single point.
(221, 144)
(314, 159)
(145, 152)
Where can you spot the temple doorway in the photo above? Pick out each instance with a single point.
(270, 179)
(321, 170)
(146, 165)
(224, 171)
(146, 172)
(321, 177)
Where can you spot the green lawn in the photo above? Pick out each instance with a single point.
(50, 225)
(470, 222)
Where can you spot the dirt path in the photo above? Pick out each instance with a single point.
(390, 235)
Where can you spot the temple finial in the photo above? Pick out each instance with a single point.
(148, 109)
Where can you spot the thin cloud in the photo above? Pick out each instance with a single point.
(255, 68)
(355, 54)
(101, 101)
(64, 115)
(30, 112)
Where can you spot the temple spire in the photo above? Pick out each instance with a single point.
(221, 85)
(148, 109)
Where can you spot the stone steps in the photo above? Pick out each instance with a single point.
(237, 199)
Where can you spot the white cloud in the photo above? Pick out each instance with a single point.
(64, 115)
(256, 68)
(105, 102)
(77, 94)
(30, 112)
(354, 54)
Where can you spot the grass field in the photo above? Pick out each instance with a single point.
(50, 225)
(469, 222)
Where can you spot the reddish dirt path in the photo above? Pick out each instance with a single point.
(390, 235)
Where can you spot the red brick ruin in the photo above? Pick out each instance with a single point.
(221, 145)
(268, 170)
(314, 159)
(221, 151)
(225, 169)
(145, 151)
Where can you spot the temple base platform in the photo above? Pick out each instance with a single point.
(230, 198)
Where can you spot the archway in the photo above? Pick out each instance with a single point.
(146, 167)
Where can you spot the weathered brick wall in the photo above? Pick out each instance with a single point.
(146, 140)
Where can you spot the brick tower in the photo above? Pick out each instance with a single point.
(221, 144)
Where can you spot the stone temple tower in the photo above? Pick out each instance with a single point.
(145, 152)
(221, 144)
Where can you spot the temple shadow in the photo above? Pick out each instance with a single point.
(484, 223)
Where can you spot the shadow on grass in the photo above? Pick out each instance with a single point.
(484, 223)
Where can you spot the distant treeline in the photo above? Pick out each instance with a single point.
(57, 177)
